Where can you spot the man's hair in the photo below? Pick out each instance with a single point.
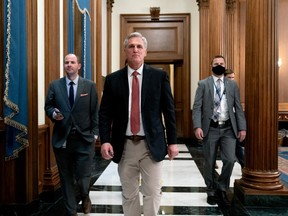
(136, 34)
(218, 56)
(77, 57)
(228, 71)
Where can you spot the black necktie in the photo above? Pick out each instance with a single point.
(71, 94)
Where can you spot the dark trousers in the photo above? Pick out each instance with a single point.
(226, 140)
(74, 165)
(240, 154)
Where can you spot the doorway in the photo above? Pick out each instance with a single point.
(168, 48)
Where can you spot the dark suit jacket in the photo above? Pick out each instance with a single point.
(83, 115)
(156, 99)
(204, 104)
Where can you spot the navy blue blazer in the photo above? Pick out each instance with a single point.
(156, 99)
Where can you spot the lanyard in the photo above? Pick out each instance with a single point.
(218, 93)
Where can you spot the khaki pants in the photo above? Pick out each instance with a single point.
(136, 162)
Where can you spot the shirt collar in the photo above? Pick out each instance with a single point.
(139, 70)
(75, 80)
(216, 78)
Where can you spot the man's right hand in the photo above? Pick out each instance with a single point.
(107, 151)
(199, 133)
(57, 115)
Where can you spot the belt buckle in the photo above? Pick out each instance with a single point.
(135, 138)
(221, 122)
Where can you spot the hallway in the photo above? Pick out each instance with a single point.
(183, 190)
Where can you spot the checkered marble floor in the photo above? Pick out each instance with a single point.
(183, 189)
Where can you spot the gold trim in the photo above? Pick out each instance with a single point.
(14, 107)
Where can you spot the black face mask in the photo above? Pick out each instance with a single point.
(218, 70)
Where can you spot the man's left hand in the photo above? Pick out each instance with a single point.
(173, 151)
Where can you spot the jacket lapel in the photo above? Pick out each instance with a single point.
(227, 89)
(63, 90)
(125, 86)
(145, 83)
(211, 87)
(80, 89)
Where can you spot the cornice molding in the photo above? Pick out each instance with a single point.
(203, 3)
(231, 4)
(110, 4)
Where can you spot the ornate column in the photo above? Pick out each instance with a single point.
(212, 27)
(109, 33)
(217, 28)
(204, 37)
(231, 45)
(260, 183)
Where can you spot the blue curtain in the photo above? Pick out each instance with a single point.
(15, 78)
(83, 6)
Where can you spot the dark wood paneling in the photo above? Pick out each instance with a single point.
(52, 67)
(31, 156)
(165, 40)
(49, 179)
(96, 27)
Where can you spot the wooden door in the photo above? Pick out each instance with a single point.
(168, 48)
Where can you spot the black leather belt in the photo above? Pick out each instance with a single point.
(135, 138)
(220, 124)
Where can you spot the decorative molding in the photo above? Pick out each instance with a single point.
(283, 116)
(154, 13)
(51, 179)
(203, 3)
(110, 5)
(230, 5)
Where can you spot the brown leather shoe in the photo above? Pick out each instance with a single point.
(86, 205)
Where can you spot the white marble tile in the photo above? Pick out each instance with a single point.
(182, 155)
(182, 173)
(185, 199)
(175, 173)
(109, 176)
(182, 147)
(106, 197)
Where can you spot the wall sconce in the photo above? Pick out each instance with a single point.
(154, 13)
(279, 62)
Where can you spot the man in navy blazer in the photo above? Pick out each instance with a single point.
(138, 154)
(218, 120)
(75, 131)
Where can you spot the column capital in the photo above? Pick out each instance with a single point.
(110, 5)
(203, 3)
(231, 5)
